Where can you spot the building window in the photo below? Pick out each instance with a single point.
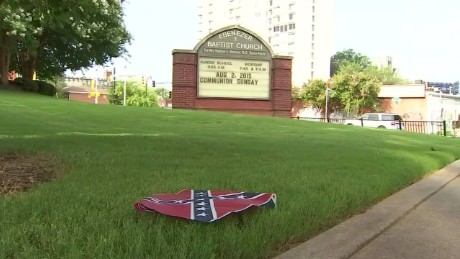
(285, 27)
(291, 16)
(271, 2)
(312, 65)
(276, 29)
(291, 26)
(269, 39)
(291, 6)
(313, 18)
(313, 9)
(312, 55)
(312, 27)
(312, 74)
(282, 28)
(312, 46)
(313, 37)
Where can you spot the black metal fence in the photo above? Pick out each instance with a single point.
(425, 127)
(329, 120)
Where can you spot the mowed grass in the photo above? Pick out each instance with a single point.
(112, 156)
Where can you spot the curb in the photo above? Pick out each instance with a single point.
(350, 236)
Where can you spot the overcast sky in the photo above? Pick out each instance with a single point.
(422, 36)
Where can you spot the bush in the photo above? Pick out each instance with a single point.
(27, 85)
(46, 88)
(17, 82)
(14, 85)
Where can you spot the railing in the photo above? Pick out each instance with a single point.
(425, 127)
(329, 120)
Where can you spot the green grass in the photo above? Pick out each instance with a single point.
(112, 156)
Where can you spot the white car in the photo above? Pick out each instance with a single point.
(377, 120)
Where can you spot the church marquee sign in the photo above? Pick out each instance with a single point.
(234, 63)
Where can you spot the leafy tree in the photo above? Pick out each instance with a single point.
(14, 26)
(352, 91)
(314, 94)
(53, 36)
(162, 93)
(136, 95)
(386, 75)
(357, 90)
(59, 83)
(297, 93)
(347, 56)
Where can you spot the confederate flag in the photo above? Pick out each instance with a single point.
(204, 205)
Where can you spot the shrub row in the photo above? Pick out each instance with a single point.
(41, 87)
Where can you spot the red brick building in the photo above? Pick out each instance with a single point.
(86, 95)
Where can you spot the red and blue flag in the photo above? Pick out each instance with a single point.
(205, 205)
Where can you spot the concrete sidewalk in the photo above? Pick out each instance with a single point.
(421, 221)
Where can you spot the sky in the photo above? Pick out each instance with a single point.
(422, 36)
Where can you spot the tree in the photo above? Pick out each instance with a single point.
(314, 94)
(58, 35)
(347, 56)
(353, 91)
(15, 25)
(162, 93)
(357, 90)
(386, 75)
(136, 95)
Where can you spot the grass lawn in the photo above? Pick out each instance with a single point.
(112, 156)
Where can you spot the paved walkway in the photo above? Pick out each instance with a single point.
(421, 221)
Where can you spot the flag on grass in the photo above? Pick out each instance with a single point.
(204, 205)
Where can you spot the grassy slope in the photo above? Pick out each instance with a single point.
(113, 156)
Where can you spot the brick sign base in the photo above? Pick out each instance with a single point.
(185, 88)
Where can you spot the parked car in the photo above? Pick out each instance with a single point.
(377, 120)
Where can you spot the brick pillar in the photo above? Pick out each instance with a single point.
(281, 93)
(184, 85)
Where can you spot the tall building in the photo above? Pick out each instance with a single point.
(298, 28)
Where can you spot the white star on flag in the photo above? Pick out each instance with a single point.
(203, 208)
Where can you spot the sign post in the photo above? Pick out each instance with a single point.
(328, 90)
